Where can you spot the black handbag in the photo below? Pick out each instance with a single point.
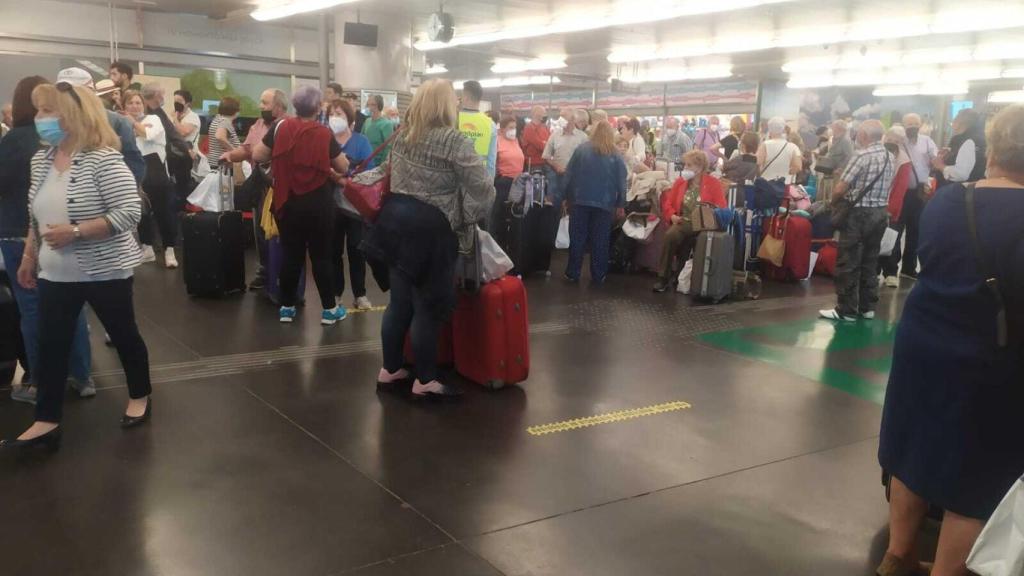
(842, 206)
(768, 194)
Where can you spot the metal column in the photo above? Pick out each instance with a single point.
(324, 41)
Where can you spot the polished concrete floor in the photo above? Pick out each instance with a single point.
(271, 452)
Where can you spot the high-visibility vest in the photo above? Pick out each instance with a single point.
(480, 129)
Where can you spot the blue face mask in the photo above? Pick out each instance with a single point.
(50, 131)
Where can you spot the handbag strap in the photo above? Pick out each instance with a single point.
(772, 161)
(362, 165)
(991, 280)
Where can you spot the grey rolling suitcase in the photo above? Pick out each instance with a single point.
(712, 266)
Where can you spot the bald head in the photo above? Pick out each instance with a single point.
(869, 132)
(537, 114)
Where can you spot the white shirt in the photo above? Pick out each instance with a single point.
(192, 119)
(638, 148)
(965, 159)
(50, 207)
(561, 146)
(921, 154)
(155, 140)
(779, 168)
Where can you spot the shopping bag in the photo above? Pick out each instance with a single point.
(684, 278)
(640, 228)
(562, 239)
(889, 242)
(703, 218)
(999, 550)
(207, 194)
(494, 262)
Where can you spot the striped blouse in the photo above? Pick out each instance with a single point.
(100, 186)
(217, 148)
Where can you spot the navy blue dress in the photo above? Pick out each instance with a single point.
(952, 422)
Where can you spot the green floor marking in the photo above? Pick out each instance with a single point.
(853, 357)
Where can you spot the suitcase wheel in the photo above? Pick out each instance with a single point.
(495, 384)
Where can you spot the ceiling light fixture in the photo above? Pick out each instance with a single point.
(622, 13)
(1006, 96)
(873, 60)
(998, 17)
(273, 11)
(436, 69)
(514, 66)
(928, 89)
(1017, 72)
(512, 81)
(677, 74)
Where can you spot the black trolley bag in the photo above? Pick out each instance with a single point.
(531, 229)
(213, 245)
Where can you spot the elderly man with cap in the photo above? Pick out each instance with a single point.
(122, 126)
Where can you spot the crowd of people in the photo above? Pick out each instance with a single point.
(95, 174)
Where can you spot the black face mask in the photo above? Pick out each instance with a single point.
(892, 148)
(179, 107)
(267, 116)
(912, 132)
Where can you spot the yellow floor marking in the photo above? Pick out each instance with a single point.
(608, 418)
(374, 309)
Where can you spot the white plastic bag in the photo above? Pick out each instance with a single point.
(200, 167)
(684, 278)
(814, 262)
(494, 262)
(207, 194)
(999, 550)
(562, 240)
(640, 229)
(889, 242)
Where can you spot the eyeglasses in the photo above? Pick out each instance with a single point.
(68, 89)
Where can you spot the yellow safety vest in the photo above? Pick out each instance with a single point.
(480, 129)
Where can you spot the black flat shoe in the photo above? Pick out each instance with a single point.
(133, 421)
(50, 441)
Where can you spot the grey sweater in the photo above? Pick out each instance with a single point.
(445, 171)
(839, 155)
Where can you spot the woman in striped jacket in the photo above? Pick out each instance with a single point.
(83, 206)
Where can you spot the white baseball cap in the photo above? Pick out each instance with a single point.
(76, 77)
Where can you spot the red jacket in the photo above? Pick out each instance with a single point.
(899, 191)
(710, 191)
(535, 138)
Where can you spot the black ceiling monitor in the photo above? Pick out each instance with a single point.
(358, 34)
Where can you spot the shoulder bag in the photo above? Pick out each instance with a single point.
(367, 189)
(991, 280)
(841, 207)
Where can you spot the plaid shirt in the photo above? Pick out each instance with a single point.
(862, 171)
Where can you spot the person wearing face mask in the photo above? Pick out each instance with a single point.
(694, 186)
(186, 121)
(510, 165)
(348, 224)
(222, 133)
(922, 150)
(559, 150)
(964, 160)
(152, 142)
(535, 137)
(83, 206)
(675, 142)
(709, 140)
(378, 128)
(895, 142)
(731, 143)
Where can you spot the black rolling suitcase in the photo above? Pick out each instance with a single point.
(531, 227)
(10, 332)
(213, 253)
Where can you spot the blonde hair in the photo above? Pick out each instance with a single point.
(737, 125)
(697, 157)
(433, 106)
(1005, 137)
(127, 96)
(603, 138)
(84, 119)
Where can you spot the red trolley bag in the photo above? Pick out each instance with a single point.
(489, 329)
(796, 264)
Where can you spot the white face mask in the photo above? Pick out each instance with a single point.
(339, 124)
(562, 122)
(687, 174)
(510, 133)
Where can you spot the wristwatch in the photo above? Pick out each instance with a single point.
(77, 231)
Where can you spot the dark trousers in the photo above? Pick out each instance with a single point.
(680, 240)
(857, 262)
(348, 233)
(589, 226)
(157, 187)
(306, 224)
(496, 220)
(60, 304)
(408, 311)
(181, 176)
(910, 219)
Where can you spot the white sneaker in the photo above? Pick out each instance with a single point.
(868, 315)
(892, 282)
(363, 303)
(169, 260)
(832, 314)
(148, 255)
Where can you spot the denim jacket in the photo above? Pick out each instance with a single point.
(595, 180)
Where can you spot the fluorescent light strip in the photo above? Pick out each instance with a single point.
(874, 60)
(293, 7)
(882, 29)
(928, 89)
(678, 74)
(1006, 96)
(514, 66)
(436, 69)
(957, 75)
(512, 81)
(621, 13)
(1016, 72)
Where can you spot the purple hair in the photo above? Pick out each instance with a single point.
(307, 101)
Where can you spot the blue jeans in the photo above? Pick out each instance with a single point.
(28, 306)
(593, 226)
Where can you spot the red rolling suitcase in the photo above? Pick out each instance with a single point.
(491, 338)
(445, 352)
(796, 264)
(826, 265)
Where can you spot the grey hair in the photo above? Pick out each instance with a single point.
(281, 99)
(151, 90)
(873, 129)
(911, 116)
(307, 101)
(580, 114)
(896, 135)
(776, 126)
(841, 124)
